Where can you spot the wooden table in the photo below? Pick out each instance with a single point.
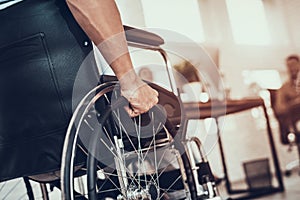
(219, 108)
(216, 109)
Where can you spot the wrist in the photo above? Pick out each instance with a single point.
(130, 80)
(130, 83)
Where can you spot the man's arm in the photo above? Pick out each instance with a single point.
(101, 21)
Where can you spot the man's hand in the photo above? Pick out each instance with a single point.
(140, 95)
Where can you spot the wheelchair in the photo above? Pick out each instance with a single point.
(124, 158)
(109, 155)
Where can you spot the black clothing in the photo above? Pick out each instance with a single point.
(41, 50)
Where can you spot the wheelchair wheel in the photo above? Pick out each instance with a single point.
(23, 188)
(124, 158)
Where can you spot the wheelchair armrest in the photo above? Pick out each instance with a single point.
(107, 78)
(142, 37)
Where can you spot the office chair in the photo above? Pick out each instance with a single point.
(288, 135)
(295, 119)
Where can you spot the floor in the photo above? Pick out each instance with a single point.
(292, 190)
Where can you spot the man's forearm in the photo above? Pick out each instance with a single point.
(101, 21)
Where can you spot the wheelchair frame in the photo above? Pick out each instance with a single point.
(199, 187)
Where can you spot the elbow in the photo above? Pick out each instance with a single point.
(70, 2)
(73, 3)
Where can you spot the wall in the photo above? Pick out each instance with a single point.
(131, 12)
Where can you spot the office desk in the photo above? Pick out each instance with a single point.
(216, 109)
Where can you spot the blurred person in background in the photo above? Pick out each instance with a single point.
(287, 95)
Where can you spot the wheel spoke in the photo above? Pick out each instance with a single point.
(170, 186)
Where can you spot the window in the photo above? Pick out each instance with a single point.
(181, 16)
(248, 22)
(264, 79)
